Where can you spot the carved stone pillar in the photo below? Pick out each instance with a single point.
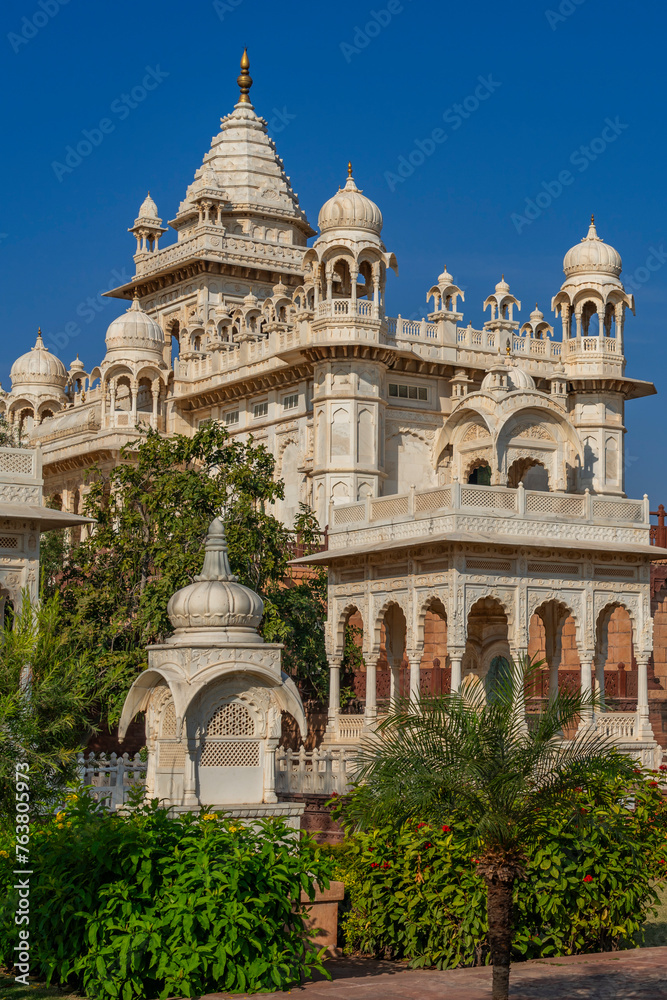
(587, 664)
(371, 688)
(334, 690)
(414, 679)
(270, 748)
(642, 694)
(456, 659)
(134, 390)
(155, 391)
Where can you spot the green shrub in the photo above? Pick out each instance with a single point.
(414, 892)
(148, 905)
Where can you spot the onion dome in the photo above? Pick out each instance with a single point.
(445, 278)
(76, 366)
(536, 316)
(516, 378)
(350, 209)
(502, 288)
(592, 256)
(135, 330)
(216, 599)
(38, 368)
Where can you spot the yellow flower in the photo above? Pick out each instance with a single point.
(72, 798)
(60, 825)
(60, 816)
(4, 854)
(209, 816)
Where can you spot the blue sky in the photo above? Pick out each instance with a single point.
(367, 82)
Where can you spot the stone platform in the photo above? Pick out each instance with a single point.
(640, 974)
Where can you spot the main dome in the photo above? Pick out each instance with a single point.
(216, 599)
(39, 368)
(135, 330)
(350, 209)
(592, 255)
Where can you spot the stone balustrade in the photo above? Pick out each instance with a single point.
(111, 778)
(499, 509)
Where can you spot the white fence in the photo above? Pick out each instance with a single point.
(318, 772)
(111, 777)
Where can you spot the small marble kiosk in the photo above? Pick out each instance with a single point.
(213, 694)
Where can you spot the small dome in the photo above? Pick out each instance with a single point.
(216, 599)
(592, 255)
(135, 330)
(502, 288)
(516, 377)
(537, 315)
(39, 368)
(77, 365)
(350, 209)
(445, 278)
(148, 208)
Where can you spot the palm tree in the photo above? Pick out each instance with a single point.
(475, 751)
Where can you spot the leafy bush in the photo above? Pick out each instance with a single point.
(414, 891)
(148, 905)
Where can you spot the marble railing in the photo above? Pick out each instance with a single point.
(320, 772)
(500, 509)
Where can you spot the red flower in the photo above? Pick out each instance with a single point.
(588, 878)
(420, 825)
(662, 861)
(386, 864)
(653, 784)
(446, 829)
(476, 861)
(578, 789)
(428, 845)
(663, 767)
(636, 771)
(374, 864)
(334, 795)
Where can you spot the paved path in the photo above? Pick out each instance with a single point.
(640, 974)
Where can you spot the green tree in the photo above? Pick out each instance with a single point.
(48, 691)
(152, 513)
(478, 755)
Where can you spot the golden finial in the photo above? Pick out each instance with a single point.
(349, 168)
(592, 220)
(244, 79)
(508, 349)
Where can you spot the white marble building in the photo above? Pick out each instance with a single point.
(240, 320)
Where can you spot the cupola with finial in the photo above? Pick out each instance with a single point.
(147, 227)
(501, 305)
